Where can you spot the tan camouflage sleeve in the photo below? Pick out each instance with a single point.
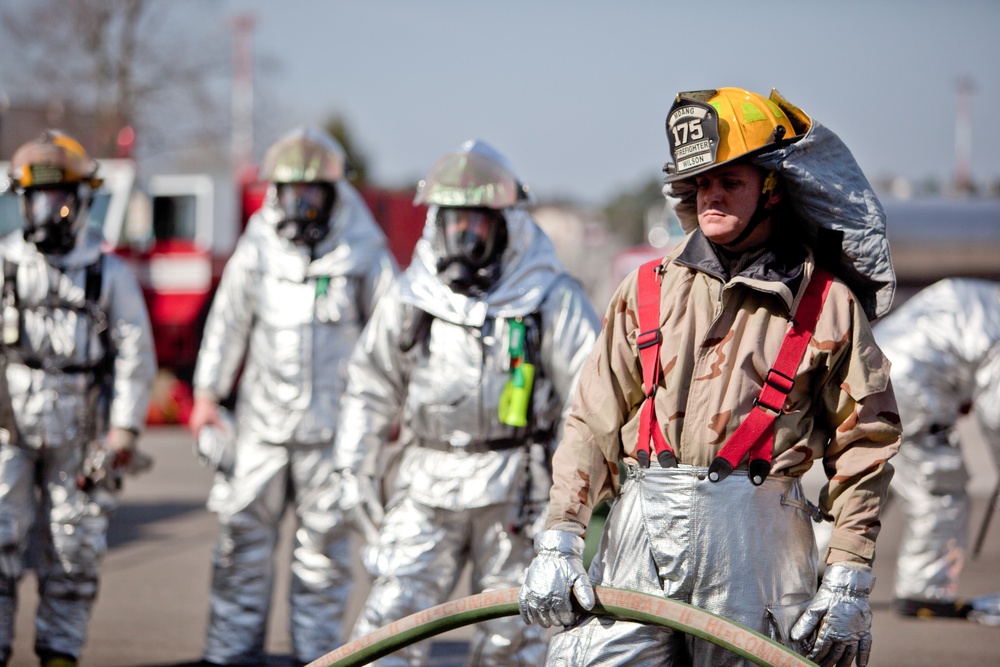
(865, 430)
(585, 463)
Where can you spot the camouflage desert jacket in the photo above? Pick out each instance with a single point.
(721, 335)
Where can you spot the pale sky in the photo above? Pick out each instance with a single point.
(575, 92)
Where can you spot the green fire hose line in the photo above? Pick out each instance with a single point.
(616, 602)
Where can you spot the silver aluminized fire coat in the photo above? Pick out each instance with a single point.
(297, 319)
(944, 346)
(459, 498)
(665, 536)
(55, 420)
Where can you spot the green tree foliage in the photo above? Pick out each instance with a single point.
(626, 213)
(357, 160)
(140, 63)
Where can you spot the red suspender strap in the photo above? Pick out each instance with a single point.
(649, 340)
(755, 435)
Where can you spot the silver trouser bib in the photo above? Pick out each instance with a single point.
(422, 552)
(732, 548)
(931, 480)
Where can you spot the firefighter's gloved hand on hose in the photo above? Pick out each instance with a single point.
(555, 576)
(837, 624)
(359, 500)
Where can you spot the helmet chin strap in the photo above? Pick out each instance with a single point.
(760, 214)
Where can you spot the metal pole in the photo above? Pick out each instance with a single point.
(984, 526)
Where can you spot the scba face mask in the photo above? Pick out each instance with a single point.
(50, 218)
(472, 239)
(305, 211)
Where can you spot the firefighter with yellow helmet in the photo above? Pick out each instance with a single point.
(723, 372)
(302, 282)
(80, 366)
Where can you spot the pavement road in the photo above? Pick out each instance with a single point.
(153, 604)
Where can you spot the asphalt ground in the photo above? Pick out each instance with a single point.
(153, 604)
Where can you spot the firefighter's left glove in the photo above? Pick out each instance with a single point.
(555, 577)
(360, 502)
(837, 624)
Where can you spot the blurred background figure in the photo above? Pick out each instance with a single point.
(294, 297)
(80, 366)
(476, 348)
(944, 346)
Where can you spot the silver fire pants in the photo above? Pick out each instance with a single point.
(421, 554)
(72, 544)
(268, 479)
(741, 551)
(931, 480)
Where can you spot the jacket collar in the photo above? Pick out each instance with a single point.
(778, 270)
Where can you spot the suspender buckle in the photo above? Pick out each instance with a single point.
(779, 381)
(757, 402)
(649, 339)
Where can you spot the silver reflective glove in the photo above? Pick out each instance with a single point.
(359, 500)
(837, 624)
(556, 572)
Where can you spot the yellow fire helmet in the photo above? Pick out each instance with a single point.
(305, 155)
(52, 159)
(708, 128)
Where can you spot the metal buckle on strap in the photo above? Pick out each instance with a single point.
(784, 384)
(757, 402)
(780, 383)
(649, 338)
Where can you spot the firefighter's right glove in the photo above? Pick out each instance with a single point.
(837, 624)
(555, 576)
(359, 501)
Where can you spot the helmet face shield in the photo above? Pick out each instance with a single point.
(50, 216)
(305, 210)
(470, 179)
(305, 155)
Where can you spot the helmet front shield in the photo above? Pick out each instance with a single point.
(469, 179)
(305, 155)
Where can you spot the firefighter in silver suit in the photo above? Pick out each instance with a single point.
(294, 297)
(475, 350)
(80, 367)
(944, 345)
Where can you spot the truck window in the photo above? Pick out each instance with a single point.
(174, 217)
(10, 213)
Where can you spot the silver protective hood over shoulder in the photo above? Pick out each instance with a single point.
(530, 268)
(832, 198)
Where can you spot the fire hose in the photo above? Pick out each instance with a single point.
(615, 602)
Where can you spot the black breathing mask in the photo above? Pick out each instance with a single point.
(50, 218)
(473, 240)
(305, 211)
